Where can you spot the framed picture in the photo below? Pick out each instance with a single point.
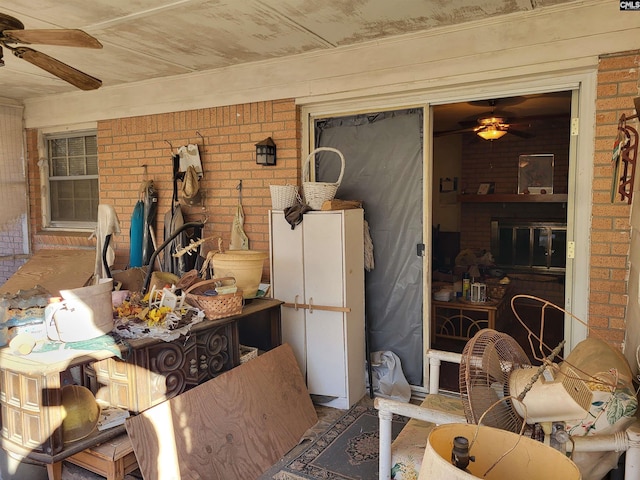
(448, 194)
(486, 188)
(535, 173)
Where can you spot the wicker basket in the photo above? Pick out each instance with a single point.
(316, 193)
(495, 290)
(214, 306)
(247, 353)
(283, 196)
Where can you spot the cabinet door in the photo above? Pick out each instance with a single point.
(324, 285)
(324, 259)
(326, 370)
(287, 282)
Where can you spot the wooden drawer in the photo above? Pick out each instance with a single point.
(31, 411)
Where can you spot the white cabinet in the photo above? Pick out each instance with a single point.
(318, 267)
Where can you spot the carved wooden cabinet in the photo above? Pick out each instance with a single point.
(27, 423)
(153, 373)
(149, 372)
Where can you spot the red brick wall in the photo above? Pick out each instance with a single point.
(484, 161)
(131, 150)
(230, 133)
(618, 84)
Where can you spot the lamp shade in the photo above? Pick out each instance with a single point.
(491, 133)
(266, 152)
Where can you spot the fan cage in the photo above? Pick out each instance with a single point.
(487, 361)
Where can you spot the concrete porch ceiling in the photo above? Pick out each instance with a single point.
(150, 39)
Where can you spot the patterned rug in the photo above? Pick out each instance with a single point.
(348, 450)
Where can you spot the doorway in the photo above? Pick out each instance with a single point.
(579, 181)
(384, 169)
(491, 226)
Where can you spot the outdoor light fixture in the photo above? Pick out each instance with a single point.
(266, 152)
(491, 133)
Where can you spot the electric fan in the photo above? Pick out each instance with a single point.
(494, 367)
(590, 392)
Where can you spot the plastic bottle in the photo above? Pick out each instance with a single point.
(466, 287)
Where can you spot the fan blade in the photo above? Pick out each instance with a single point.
(442, 133)
(520, 133)
(57, 68)
(61, 37)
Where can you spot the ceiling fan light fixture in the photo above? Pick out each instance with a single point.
(491, 133)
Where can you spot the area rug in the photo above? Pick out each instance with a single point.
(348, 450)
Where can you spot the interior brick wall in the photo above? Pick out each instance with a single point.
(134, 150)
(497, 161)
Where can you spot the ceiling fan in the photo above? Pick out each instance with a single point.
(12, 32)
(491, 125)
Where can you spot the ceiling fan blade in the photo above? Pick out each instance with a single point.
(494, 102)
(442, 133)
(61, 37)
(520, 133)
(56, 67)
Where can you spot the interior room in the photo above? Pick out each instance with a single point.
(280, 239)
(510, 237)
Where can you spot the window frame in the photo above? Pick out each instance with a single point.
(45, 175)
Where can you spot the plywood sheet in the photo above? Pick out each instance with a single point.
(232, 427)
(55, 270)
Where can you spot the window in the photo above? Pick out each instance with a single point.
(73, 180)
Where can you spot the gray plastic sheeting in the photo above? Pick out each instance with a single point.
(383, 157)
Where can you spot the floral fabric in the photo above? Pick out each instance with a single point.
(408, 448)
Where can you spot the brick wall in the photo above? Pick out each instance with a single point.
(125, 145)
(484, 161)
(618, 84)
(132, 150)
(12, 254)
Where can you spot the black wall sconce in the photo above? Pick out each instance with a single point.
(266, 152)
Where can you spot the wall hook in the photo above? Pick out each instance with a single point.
(170, 145)
(200, 135)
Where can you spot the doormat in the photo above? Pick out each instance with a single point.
(348, 450)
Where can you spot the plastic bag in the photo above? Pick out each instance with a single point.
(388, 379)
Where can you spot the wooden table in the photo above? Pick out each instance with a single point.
(460, 319)
(150, 372)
